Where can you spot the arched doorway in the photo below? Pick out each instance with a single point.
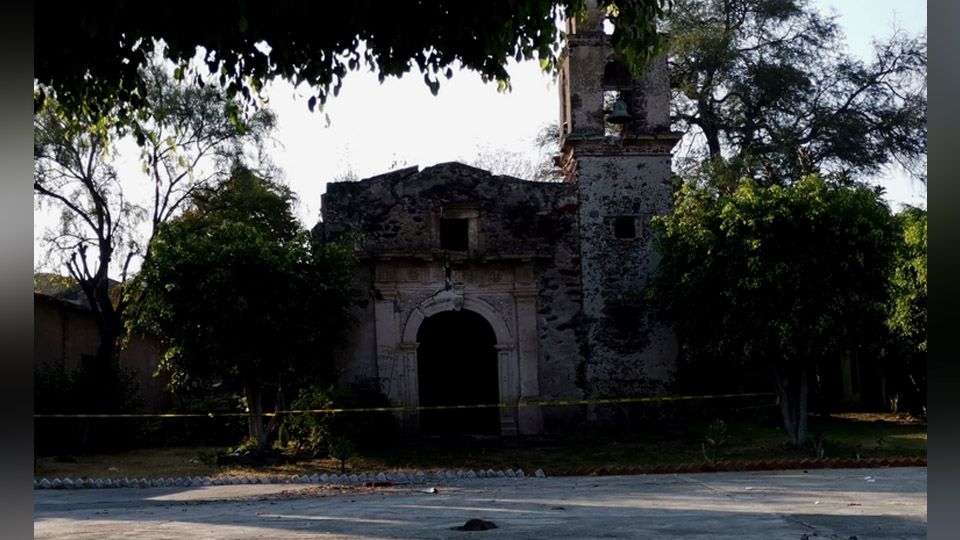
(457, 365)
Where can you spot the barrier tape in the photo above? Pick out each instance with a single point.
(534, 403)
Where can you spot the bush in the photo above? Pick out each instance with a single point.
(89, 389)
(314, 433)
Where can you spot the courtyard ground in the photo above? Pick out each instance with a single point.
(850, 436)
(844, 504)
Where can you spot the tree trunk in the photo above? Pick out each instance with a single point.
(793, 389)
(709, 124)
(255, 417)
(110, 330)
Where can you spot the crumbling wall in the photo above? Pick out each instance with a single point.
(519, 227)
(629, 352)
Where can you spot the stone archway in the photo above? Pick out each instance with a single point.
(457, 365)
(508, 376)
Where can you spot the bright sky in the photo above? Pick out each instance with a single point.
(376, 127)
(373, 126)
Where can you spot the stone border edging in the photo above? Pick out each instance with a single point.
(371, 479)
(420, 477)
(759, 465)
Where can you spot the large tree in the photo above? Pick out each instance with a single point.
(243, 297)
(768, 86)
(906, 357)
(186, 137)
(88, 55)
(775, 280)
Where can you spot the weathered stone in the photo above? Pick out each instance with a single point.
(539, 473)
(44, 484)
(551, 267)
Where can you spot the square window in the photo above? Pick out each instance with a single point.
(625, 227)
(453, 234)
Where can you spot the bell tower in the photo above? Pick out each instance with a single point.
(616, 146)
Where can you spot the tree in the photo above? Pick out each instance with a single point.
(907, 321)
(759, 80)
(243, 297)
(87, 56)
(776, 280)
(181, 128)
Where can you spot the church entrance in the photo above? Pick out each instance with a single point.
(457, 365)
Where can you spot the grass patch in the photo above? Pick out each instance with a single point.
(841, 436)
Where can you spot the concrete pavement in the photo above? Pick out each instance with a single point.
(819, 504)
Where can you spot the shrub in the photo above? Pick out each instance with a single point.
(314, 433)
(89, 389)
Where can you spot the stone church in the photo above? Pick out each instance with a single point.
(486, 289)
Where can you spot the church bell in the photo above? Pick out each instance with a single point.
(618, 113)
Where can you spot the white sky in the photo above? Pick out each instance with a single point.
(373, 126)
(376, 127)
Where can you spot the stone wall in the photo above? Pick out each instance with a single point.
(629, 353)
(623, 174)
(522, 266)
(64, 333)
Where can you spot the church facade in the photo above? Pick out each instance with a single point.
(486, 289)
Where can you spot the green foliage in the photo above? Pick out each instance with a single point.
(88, 56)
(715, 437)
(760, 80)
(246, 446)
(906, 354)
(185, 140)
(774, 272)
(342, 449)
(87, 389)
(246, 198)
(908, 319)
(92, 388)
(776, 279)
(244, 298)
(314, 433)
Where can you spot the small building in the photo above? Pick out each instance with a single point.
(485, 289)
(65, 335)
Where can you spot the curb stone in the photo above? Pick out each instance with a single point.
(400, 477)
(421, 477)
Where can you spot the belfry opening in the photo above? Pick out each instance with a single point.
(457, 365)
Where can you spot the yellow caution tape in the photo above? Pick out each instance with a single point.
(401, 409)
